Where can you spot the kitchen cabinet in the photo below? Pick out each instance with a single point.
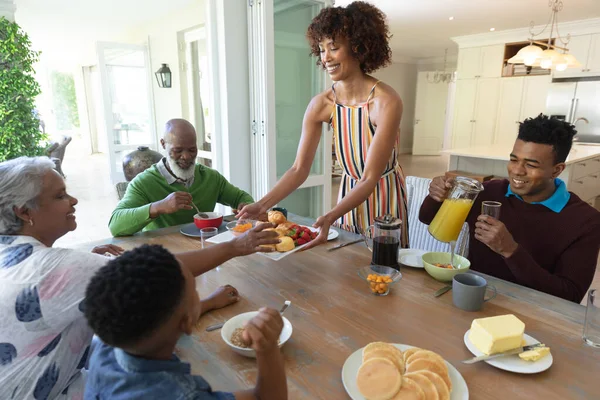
(475, 112)
(586, 49)
(464, 105)
(509, 110)
(480, 62)
(520, 98)
(486, 107)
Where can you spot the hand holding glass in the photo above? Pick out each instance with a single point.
(207, 233)
(491, 208)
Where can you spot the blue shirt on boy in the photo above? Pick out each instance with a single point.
(114, 374)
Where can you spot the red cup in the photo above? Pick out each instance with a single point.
(214, 220)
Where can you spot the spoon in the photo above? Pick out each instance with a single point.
(220, 325)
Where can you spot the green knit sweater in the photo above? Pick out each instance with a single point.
(133, 211)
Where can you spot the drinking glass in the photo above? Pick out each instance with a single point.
(491, 208)
(591, 327)
(207, 233)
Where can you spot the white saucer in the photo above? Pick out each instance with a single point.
(460, 391)
(411, 257)
(514, 363)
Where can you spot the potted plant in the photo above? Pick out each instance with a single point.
(20, 133)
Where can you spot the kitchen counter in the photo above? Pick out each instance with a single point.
(579, 152)
(582, 174)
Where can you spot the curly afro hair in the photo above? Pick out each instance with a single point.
(365, 27)
(544, 130)
(132, 295)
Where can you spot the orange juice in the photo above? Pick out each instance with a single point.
(449, 219)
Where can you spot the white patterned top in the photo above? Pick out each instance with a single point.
(44, 337)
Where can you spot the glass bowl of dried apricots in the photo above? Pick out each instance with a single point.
(379, 278)
(241, 226)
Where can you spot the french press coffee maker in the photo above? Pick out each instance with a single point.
(385, 233)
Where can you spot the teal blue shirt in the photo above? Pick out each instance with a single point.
(556, 202)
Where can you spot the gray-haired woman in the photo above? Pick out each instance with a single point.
(44, 338)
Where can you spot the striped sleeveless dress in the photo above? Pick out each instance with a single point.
(353, 134)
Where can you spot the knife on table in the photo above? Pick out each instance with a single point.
(518, 350)
(339, 246)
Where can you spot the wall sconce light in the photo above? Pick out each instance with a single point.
(163, 76)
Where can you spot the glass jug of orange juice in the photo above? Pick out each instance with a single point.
(448, 221)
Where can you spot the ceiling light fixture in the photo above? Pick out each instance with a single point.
(451, 18)
(536, 56)
(492, 29)
(441, 76)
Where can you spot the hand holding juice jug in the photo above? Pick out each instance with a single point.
(458, 196)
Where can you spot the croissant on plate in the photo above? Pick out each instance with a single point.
(276, 217)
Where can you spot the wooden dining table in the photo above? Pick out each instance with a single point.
(334, 313)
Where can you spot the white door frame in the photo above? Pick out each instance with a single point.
(262, 42)
(117, 175)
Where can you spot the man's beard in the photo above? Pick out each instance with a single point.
(179, 172)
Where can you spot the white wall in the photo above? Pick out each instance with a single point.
(161, 36)
(403, 78)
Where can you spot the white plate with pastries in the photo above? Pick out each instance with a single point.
(456, 390)
(513, 363)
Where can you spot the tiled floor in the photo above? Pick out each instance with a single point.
(88, 180)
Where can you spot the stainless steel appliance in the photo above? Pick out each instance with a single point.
(577, 102)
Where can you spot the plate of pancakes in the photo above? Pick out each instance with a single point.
(391, 371)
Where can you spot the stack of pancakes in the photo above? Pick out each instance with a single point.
(387, 373)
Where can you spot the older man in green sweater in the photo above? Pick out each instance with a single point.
(162, 195)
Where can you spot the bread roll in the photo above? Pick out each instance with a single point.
(276, 217)
(424, 383)
(378, 379)
(410, 390)
(287, 244)
(431, 365)
(385, 350)
(427, 354)
(440, 385)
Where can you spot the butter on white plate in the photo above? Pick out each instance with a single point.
(497, 334)
(535, 354)
(502, 333)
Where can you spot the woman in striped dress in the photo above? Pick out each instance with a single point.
(365, 114)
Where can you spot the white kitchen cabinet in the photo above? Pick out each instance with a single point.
(430, 116)
(480, 62)
(520, 98)
(492, 60)
(486, 107)
(464, 106)
(586, 49)
(535, 94)
(509, 110)
(469, 63)
(593, 62)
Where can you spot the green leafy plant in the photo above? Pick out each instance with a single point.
(19, 123)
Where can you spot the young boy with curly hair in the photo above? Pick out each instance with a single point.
(139, 305)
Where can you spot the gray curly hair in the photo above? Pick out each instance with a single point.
(21, 182)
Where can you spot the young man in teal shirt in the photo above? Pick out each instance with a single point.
(162, 195)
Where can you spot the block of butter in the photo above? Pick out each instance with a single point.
(535, 354)
(497, 334)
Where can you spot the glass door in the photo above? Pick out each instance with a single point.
(284, 78)
(196, 89)
(127, 103)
